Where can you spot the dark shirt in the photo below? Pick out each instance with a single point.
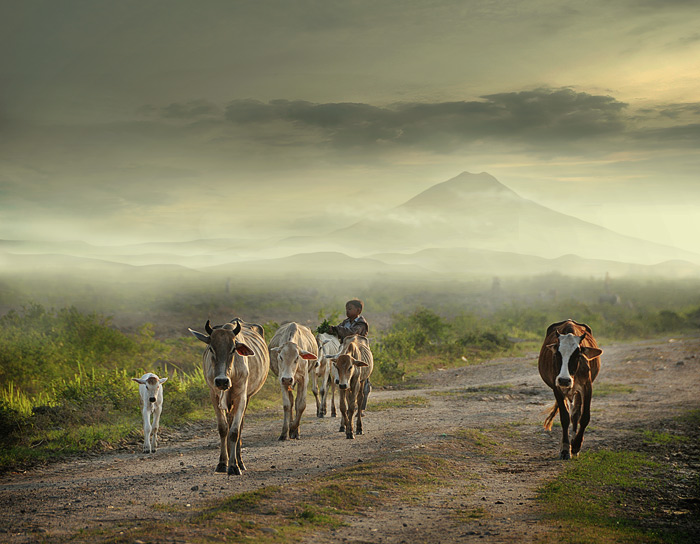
(349, 327)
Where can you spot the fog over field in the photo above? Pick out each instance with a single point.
(149, 142)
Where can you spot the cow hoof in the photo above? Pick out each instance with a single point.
(350, 436)
(282, 438)
(234, 470)
(319, 415)
(565, 455)
(294, 435)
(221, 467)
(342, 429)
(359, 431)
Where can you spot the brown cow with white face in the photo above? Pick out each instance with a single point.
(569, 362)
(235, 365)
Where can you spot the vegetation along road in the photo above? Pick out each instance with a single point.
(458, 456)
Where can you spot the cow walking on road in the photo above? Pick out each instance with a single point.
(354, 364)
(235, 365)
(569, 362)
(324, 374)
(151, 394)
(293, 353)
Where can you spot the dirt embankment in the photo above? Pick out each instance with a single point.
(647, 383)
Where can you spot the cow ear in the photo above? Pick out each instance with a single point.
(359, 363)
(591, 353)
(274, 350)
(307, 355)
(199, 336)
(244, 350)
(553, 348)
(139, 380)
(163, 380)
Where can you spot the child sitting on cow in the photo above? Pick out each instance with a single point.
(354, 323)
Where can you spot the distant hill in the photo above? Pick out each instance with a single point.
(477, 211)
(467, 226)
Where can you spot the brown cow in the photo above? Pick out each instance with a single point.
(235, 365)
(354, 364)
(569, 362)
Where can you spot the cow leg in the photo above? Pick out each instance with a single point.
(575, 412)
(342, 401)
(577, 442)
(156, 426)
(366, 390)
(317, 394)
(222, 425)
(299, 406)
(287, 400)
(352, 398)
(239, 446)
(146, 429)
(333, 412)
(564, 418)
(234, 435)
(325, 386)
(360, 402)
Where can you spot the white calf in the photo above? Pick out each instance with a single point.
(151, 403)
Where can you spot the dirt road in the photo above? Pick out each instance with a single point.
(641, 383)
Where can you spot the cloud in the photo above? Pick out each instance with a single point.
(190, 110)
(547, 115)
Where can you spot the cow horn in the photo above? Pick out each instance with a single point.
(238, 327)
(207, 327)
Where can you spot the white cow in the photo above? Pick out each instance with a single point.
(151, 394)
(324, 373)
(293, 353)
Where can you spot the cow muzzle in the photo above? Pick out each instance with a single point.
(151, 399)
(343, 386)
(564, 383)
(287, 383)
(222, 383)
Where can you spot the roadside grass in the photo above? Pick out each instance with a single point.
(605, 389)
(413, 401)
(472, 392)
(639, 494)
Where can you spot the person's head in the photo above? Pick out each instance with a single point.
(353, 308)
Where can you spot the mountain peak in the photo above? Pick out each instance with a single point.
(466, 187)
(478, 183)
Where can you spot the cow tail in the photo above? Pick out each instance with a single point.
(550, 417)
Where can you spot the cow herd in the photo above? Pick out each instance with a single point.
(236, 362)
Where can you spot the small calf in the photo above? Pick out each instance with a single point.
(151, 403)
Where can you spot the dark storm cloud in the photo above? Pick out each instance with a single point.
(687, 136)
(190, 110)
(546, 115)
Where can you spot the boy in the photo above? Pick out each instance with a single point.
(354, 324)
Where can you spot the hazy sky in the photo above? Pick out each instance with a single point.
(153, 120)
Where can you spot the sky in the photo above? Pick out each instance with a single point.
(169, 120)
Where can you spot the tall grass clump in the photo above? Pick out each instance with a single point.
(41, 346)
(420, 341)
